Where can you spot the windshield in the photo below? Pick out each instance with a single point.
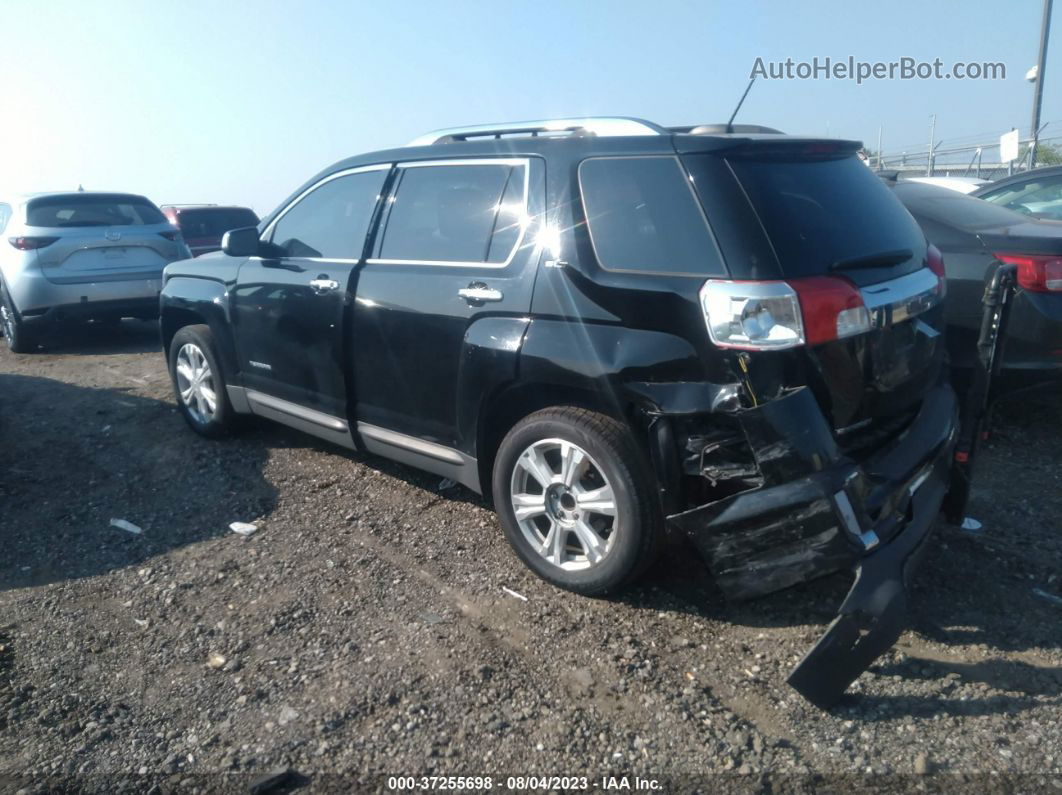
(954, 209)
(215, 221)
(92, 210)
(820, 214)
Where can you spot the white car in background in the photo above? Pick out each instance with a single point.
(960, 184)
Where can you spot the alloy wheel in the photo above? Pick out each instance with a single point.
(195, 384)
(564, 504)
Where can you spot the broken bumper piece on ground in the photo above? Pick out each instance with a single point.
(834, 515)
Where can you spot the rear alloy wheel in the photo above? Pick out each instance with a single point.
(575, 499)
(198, 383)
(564, 504)
(19, 338)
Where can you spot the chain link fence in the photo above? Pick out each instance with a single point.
(980, 160)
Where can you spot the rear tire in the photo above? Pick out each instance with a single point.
(19, 338)
(199, 384)
(589, 519)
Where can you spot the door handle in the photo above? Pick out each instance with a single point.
(478, 293)
(320, 285)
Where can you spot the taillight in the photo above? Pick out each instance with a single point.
(935, 262)
(1038, 273)
(833, 309)
(776, 315)
(30, 243)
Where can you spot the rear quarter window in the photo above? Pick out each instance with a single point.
(92, 210)
(5, 216)
(643, 217)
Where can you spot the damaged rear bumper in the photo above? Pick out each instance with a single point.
(819, 512)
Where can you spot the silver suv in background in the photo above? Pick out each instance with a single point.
(80, 256)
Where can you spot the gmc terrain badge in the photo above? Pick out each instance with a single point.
(112, 234)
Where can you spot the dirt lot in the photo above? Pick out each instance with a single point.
(365, 631)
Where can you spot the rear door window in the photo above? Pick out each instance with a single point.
(643, 217)
(821, 214)
(331, 221)
(92, 210)
(456, 213)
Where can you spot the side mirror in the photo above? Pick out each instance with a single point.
(241, 242)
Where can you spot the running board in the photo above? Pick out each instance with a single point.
(429, 456)
(321, 425)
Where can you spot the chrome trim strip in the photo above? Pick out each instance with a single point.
(395, 439)
(598, 125)
(902, 298)
(472, 161)
(299, 412)
(346, 172)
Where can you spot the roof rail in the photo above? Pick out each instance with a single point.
(590, 125)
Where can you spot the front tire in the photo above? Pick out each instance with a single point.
(575, 499)
(19, 338)
(198, 382)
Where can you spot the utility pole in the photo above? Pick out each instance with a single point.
(1038, 90)
(932, 138)
(879, 147)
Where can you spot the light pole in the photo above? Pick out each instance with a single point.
(1038, 81)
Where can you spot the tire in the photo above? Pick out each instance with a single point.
(191, 350)
(19, 338)
(622, 545)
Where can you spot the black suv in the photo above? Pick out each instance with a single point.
(608, 327)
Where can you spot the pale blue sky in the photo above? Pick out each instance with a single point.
(241, 101)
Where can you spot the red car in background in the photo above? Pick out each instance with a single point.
(202, 225)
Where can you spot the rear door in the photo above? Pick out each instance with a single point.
(290, 309)
(454, 247)
(101, 237)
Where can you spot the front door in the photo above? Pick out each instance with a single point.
(290, 310)
(455, 248)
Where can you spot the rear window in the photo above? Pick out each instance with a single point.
(819, 213)
(92, 210)
(215, 222)
(643, 217)
(955, 209)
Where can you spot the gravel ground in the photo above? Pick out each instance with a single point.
(363, 631)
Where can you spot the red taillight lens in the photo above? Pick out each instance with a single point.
(832, 308)
(30, 243)
(935, 262)
(1038, 273)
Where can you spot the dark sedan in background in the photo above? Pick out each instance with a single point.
(202, 225)
(975, 236)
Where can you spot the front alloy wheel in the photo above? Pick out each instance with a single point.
(195, 383)
(199, 383)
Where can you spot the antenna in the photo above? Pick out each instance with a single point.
(730, 122)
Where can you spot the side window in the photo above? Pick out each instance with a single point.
(331, 222)
(456, 213)
(643, 216)
(5, 214)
